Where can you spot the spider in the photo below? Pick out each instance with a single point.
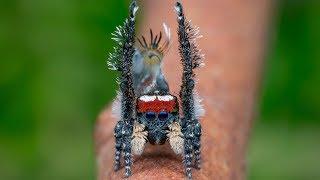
(146, 110)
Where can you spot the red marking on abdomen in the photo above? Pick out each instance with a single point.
(156, 106)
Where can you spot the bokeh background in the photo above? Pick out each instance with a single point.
(54, 82)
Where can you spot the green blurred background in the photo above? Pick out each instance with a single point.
(54, 82)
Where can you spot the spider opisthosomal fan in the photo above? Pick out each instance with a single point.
(146, 110)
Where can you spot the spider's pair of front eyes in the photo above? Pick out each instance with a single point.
(163, 115)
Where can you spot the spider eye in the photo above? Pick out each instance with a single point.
(163, 115)
(150, 115)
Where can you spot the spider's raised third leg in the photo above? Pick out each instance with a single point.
(191, 58)
(121, 60)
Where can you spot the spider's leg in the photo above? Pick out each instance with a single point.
(175, 137)
(197, 145)
(127, 149)
(139, 138)
(126, 87)
(188, 151)
(121, 60)
(191, 59)
(118, 144)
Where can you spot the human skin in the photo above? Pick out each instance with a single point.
(234, 40)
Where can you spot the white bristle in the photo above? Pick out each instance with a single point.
(165, 98)
(167, 31)
(198, 106)
(147, 98)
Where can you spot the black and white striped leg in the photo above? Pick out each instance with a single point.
(117, 156)
(123, 136)
(188, 157)
(118, 144)
(197, 145)
(127, 149)
(191, 58)
(197, 153)
(121, 60)
(192, 134)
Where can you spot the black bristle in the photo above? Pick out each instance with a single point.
(160, 36)
(141, 43)
(145, 42)
(151, 37)
(154, 41)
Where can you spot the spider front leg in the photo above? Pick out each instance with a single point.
(175, 137)
(139, 138)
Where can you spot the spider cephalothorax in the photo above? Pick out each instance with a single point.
(156, 113)
(146, 110)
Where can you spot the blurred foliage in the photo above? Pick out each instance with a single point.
(285, 142)
(53, 83)
(292, 81)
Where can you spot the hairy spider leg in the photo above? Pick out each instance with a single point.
(190, 59)
(125, 36)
